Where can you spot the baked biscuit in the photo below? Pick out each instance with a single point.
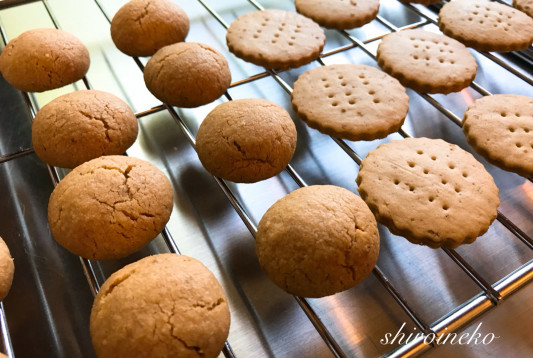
(500, 128)
(43, 59)
(339, 14)
(354, 102)
(109, 207)
(486, 25)
(187, 74)
(141, 27)
(161, 306)
(246, 140)
(81, 126)
(275, 39)
(525, 6)
(317, 241)
(429, 191)
(7, 269)
(426, 61)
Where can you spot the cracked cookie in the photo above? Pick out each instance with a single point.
(429, 191)
(187, 74)
(141, 27)
(109, 207)
(339, 14)
(43, 59)
(317, 241)
(161, 306)
(246, 140)
(7, 269)
(81, 126)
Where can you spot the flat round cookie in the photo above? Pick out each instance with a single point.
(317, 241)
(429, 191)
(525, 6)
(500, 128)
(82, 125)
(109, 207)
(426, 61)
(355, 102)
(246, 140)
(339, 14)
(486, 25)
(141, 27)
(7, 269)
(187, 74)
(275, 39)
(162, 306)
(43, 59)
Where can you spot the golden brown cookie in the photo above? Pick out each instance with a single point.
(7, 269)
(486, 25)
(187, 74)
(81, 126)
(275, 39)
(161, 306)
(246, 140)
(141, 27)
(109, 207)
(355, 102)
(525, 6)
(431, 192)
(339, 14)
(426, 61)
(43, 59)
(317, 241)
(500, 128)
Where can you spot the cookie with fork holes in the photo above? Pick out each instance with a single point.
(525, 6)
(339, 14)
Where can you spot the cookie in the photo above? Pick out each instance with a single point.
(43, 59)
(187, 74)
(426, 61)
(81, 126)
(431, 192)
(317, 241)
(246, 140)
(7, 269)
(525, 6)
(164, 305)
(486, 26)
(339, 14)
(141, 27)
(355, 102)
(275, 39)
(109, 207)
(500, 128)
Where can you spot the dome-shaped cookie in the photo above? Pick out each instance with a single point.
(82, 125)
(7, 269)
(141, 27)
(187, 74)
(109, 207)
(317, 241)
(163, 306)
(339, 14)
(43, 59)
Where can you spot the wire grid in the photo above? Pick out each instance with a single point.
(457, 318)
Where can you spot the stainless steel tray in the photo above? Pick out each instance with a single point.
(414, 288)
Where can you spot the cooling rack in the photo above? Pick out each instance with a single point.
(428, 291)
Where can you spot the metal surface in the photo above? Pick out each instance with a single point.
(428, 290)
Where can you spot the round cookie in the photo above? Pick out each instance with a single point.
(7, 269)
(486, 25)
(275, 39)
(317, 241)
(162, 306)
(500, 128)
(187, 74)
(426, 61)
(525, 6)
(43, 59)
(141, 27)
(109, 207)
(82, 125)
(429, 191)
(355, 102)
(339, 14)
(246, 140)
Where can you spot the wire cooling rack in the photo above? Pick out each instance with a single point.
(355, 47)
